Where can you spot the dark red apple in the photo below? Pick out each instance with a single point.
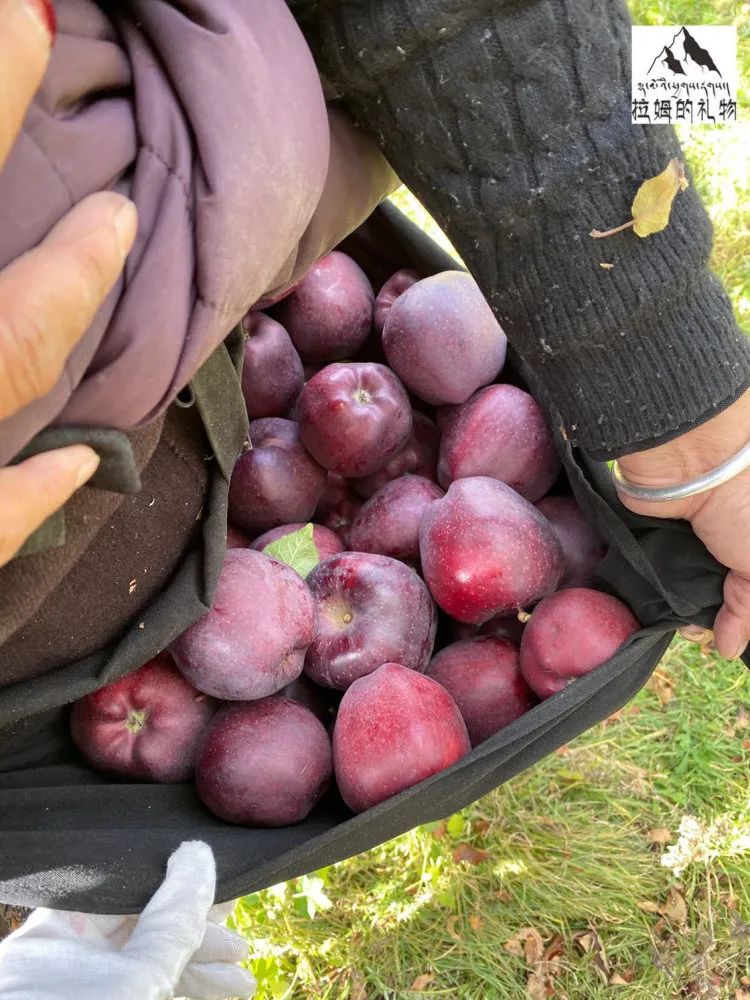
(253, 640)
(326, 541)
(442, 339)
(371, 610)
(417, 457)
(236, 539)
(389, 521)
(582, 548)
(329, 313)
(395, 286)
(275, 482)
(146, 726)
(394, 728)
(272, 375)
(500, 432)
(263, 763)
(483, 676)
(353, 418)
(570, 634)
(486, 551)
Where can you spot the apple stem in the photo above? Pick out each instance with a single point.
(136, 720)
(598, 234)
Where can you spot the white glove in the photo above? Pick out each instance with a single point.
(176, 948)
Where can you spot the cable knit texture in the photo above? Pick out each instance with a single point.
(510, 120)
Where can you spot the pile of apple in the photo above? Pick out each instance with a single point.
(391, 488)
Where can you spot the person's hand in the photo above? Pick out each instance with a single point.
(176, 948)
(720, 517)
(49, 296)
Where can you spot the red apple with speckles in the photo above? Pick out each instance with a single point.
(500, 432)
(394, 728)
(483, 676)
(353, 418)
(327, 542)
(145, 726)
(276, 481)
(395, 286)
(442, 339)
(486, 551)
(329, 313)
(263, 763)
(272, 375)
(570, 634)
(371, 610)
(389, 521)
(253, 640)
(417, 457)
(582, 548)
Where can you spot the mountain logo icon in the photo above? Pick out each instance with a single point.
(682, 54)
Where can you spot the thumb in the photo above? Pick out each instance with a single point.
(173, 923)
(732, 626)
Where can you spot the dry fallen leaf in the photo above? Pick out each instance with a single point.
(590, 942)
(659, 835)
(743, 718)
(539, 985)
(526, 943)
(652, 204)
(617, 980)
(662, 686)
(472, 855)
(648, 906)
(440, 830)
(475, 922)
(423, 981)
(451, 928)
(481, 825)
(504, 896)
(675, 908)
(653, 201)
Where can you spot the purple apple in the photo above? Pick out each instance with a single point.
(570, 634)
(417, 457)
(326, 541)
(500, 432)
(329, 313)
(145, 726)
(394, 728)
(582, 548)
(389, 522)
(486, 551)
(442, 339)
(371, 610)
(483, 676)
(272, 375)
(395, 286)
(275, 482)
(353, 418)
(263, 763)
(253, 640)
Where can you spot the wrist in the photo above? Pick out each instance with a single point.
(687, 457)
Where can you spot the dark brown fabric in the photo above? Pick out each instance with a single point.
(27, 581)
(126, 565)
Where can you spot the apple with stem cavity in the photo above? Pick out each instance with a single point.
(353, 417)
(145, 726)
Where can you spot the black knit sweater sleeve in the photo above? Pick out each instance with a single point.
(510, 120)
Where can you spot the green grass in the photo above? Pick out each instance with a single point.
(565, 846)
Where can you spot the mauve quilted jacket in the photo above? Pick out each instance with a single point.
(211, 116)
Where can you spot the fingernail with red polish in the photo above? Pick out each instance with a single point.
(43, 12)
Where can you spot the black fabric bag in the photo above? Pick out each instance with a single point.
(73, 839)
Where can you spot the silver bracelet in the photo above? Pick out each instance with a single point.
(661, 494)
